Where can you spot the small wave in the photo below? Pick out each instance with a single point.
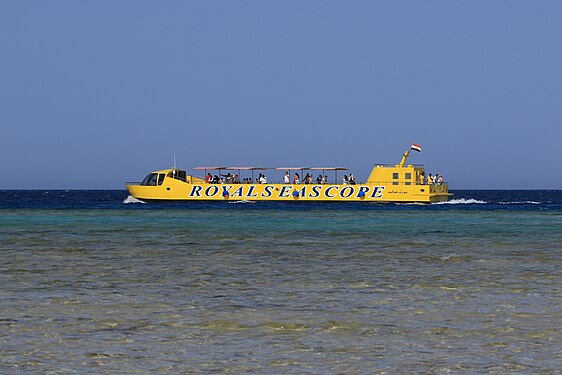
(448, 256)
(243, 201)
(462, 201)
(131, 199)
(523, 202)
(287, 327)
(222, 325)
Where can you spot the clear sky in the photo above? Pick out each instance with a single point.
(96, 93)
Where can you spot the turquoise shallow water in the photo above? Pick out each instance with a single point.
(304, 291)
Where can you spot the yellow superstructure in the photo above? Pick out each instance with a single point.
(387, 183)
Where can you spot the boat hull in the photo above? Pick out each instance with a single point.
(175, 190)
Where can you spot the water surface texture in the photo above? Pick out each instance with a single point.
(92, 284)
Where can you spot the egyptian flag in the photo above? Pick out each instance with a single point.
(416, 147)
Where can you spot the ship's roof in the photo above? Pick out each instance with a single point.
(291, 168)
(205, 168)
(246, 168)
(329, 169)
(313, 168)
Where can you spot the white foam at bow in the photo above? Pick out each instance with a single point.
(131, 199)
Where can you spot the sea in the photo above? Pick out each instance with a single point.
(97, 282)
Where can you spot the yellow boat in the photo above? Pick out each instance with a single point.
(387, 183)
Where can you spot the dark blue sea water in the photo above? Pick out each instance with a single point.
(97, 282)
(117, 199)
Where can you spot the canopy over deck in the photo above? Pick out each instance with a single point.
(291, 168)
(329, 169)
(245, 168)
(207, 168)
(275, 168)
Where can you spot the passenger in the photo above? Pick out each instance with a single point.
(319, 179)
(307, 179)
(430, 179)
(208, 178)
(263, 179)
(344, 179)
(325, 179)
(236, 179)
(227, 177)
(351, 179)
(215, 179)
(422, 178)
(435, 178)
(296, 179)
(286, 178)
(440, 180)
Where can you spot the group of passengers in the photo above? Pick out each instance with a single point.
(262, 179)
(309, 179)
(433, 180)
(228, 178)
(348, 180)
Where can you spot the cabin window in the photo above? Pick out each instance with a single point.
(161, 178)
(178, 174)
(395, 176)
(408, 176)
(182, 175)
(150, 180)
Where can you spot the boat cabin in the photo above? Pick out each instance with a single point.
(157, 178)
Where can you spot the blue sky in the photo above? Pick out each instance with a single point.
(96, 93)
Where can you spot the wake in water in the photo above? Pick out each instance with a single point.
(242, 201)
(524, 202)
(462, 201)
(131, 199)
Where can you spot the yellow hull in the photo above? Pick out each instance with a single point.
(176, 190)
